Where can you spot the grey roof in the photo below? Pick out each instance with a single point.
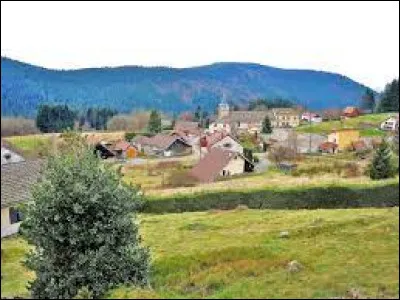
(256, 116)
(246, 116)
(16, 181)
(8, 156)
(9, 153)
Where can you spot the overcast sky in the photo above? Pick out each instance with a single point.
(359, 40)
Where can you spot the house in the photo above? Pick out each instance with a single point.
(124, 150)
(16, 181)
(344, 137)
(285, 117)
(218, 163)
(187, 128)
(311, 117)
(351, 112)
(103, 149)
(163, 145)
(251, 121)
(391, 124)
(328, 147)
(220, 139)
(10, 154)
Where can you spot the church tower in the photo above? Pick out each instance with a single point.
(223, 109)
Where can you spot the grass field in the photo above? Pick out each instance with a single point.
(238, 253)
(40, 144)
(368, 125)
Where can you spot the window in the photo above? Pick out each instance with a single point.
(227, 145)
(223, 173)
(15, 216)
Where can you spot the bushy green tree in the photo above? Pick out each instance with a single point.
(382, 164)
(81, 221)
(154, 122)
(390, 98)
(266, 125)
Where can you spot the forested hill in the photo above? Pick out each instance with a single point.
(24, 86)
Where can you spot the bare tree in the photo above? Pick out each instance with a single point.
(293, 141)
(279, 154)
(18, 126)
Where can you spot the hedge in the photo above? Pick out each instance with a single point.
(304, 198)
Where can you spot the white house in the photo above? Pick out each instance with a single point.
(222, 140)
(391, 124)
(311, 117)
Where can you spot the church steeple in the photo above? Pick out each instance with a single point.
(223, 108)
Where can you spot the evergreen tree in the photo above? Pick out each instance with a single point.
(382, 165)
(390, 98)
(55, 118)
(81, 223)
(197, 114)
(368, 100)
(266, 125)
(154, 122)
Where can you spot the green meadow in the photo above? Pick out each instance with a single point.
(240, 253)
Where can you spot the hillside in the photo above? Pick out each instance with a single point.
(238, 253)
(127, 88)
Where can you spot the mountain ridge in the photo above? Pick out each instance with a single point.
(125, 88)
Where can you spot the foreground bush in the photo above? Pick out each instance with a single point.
(80, 222)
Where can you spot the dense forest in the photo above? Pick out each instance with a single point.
(24, 87)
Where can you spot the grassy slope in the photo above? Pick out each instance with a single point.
(239, 254)
(326, 127)
(14, 275)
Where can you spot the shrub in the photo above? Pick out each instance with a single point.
(178, 178)
(301, 198)
(80, 222)
(352, 170)
(129, 136)
(278, 154)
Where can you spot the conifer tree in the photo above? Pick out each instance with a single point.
(266, 125)
(382, 166)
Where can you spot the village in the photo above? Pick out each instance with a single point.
(224, 150)
(233, 146)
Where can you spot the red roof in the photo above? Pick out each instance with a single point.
(359, 145)
(326, 146)
(186, 127)
(211, 165)
(215, 137)
(351, 111)
(122, 145)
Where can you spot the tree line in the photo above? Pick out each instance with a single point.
(57, 118)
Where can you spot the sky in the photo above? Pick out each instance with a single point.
(356, 39)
